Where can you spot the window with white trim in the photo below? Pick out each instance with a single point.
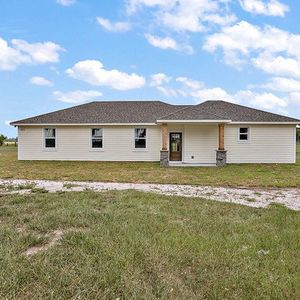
(50, 138)
(243, 134)
(97, 138)
(140, 136)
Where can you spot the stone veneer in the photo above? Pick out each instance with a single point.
(221, 158)
(164, 158)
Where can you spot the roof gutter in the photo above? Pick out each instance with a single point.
(268, 123)
(193, 121)
(82, 124)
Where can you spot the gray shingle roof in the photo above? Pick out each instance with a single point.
(105, 112)
(151, 111)
(222, 110)
(192, 113)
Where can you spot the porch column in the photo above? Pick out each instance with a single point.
(221, 152)
(164, 153)
(221, 137)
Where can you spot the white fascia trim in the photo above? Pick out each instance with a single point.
(193, 121)
(87, 124)
(267, 123)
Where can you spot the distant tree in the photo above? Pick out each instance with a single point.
(298, 134)
(2, 139)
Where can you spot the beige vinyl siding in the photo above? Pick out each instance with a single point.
(74, 143)
(200, 142)
(267, 144)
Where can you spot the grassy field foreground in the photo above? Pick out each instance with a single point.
(131, 245)
(264, 175)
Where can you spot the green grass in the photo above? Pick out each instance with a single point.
(133, 245)
(251, 175)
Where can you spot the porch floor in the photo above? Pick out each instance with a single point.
(184, 164)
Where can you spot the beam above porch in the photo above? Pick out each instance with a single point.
(193, 121)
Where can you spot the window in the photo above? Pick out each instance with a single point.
(140, 138)
(243, 134)
(50, 139)
(97, 138)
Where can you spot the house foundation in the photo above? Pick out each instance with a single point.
(164, 158)
(221, 158)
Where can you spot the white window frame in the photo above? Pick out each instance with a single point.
(45, 137)
(91, 139)
(145, 138)
(248, 134)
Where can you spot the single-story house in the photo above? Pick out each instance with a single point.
(210, 133)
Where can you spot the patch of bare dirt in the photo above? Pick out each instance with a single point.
(56, 236)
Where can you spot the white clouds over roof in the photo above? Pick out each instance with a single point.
(76, 96)
(93, 72)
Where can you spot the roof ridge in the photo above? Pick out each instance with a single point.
(129, 101)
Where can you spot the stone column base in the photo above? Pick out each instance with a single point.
(164, 158)
(221, 158)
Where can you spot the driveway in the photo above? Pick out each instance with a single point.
(256, 197)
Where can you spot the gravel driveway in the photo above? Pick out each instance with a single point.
(256, 197)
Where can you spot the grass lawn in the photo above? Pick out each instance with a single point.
(132, 245)
(264, 175)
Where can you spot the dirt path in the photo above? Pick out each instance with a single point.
(257, 197)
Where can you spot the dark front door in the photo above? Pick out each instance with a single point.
(175, 146)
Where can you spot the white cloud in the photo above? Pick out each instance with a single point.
(162, 43)
(199, 92)
(22, 52)
(66, 2)
(159, 79)
(167, 91)
(38, 80)
(294, 98)
(7, 123)
(271, 8)
(216, 93)
(40, 53)
(93, 72)
(185, 15)
(114, 27)
(190, 83)
(244, 40)
(167, 43)
(263, 100)
(277, 65)
(133, 5)
(281, 84)
(190, 88)
(76, 96)
(10, 58)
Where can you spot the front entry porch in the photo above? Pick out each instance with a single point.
(196, 145)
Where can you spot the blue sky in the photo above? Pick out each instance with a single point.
(59, 53)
